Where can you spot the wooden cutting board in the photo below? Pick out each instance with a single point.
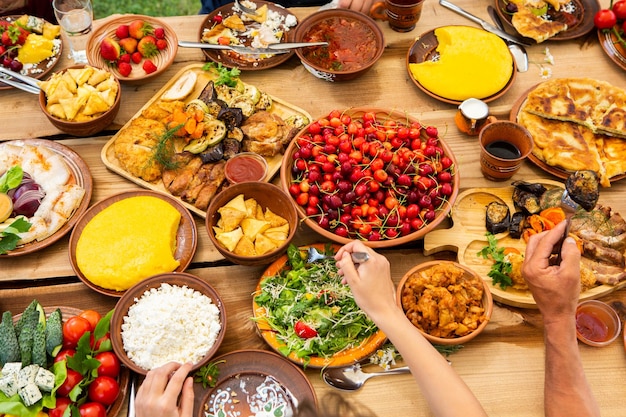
(467, 237)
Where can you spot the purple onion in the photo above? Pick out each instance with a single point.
(28, 202)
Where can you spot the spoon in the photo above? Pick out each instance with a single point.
(518, 51)
(352, 378)
(314, 255)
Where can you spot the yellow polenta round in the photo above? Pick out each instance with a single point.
(128, 241)
(472, 63)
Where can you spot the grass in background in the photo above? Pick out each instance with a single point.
(103, 8)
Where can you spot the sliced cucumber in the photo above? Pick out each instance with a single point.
(214, 132)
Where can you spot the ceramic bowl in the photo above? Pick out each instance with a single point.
(304, 31)
(382, 116)
(88, 127)
(597, 323)
(268, 196)
(178, 279)
(486, 301)
(162, 60)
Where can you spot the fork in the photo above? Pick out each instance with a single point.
(246, 9)
(314, 255)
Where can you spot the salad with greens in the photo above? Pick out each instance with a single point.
(313, 313)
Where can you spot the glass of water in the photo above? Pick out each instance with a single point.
(75, 17)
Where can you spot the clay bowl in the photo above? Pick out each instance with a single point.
(88, 127)
(382, 115)
(162, 60)
(303, 34)
(268, 196)
(178, 279)
(486, 302)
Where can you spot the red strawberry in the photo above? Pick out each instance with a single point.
(159, 33)
(149, 67)
(122, 31)
(147, 46)
(139, 28)
(136, 57)
(125, 58)
(124, 68)
(161, 44)
(109, 49)
(129, 44)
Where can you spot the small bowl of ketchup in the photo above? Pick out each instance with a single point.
(245, 167)
(597, 323)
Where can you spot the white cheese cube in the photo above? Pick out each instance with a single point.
(8, 385)
(11, 368)
(44, 380)
(27, 375)
(35, 24)
(30, 394)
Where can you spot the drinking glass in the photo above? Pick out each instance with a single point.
(75, 18)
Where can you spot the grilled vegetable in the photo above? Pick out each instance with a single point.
(231, 147)
(530, 187)
(551, 198)
(582, 187)
(497, 217)
(10, 351)
(231, 116)
(526, 201)
(212, 153)
(516, 226)
(54, 332)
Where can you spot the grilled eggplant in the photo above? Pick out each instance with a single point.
(530, 187)
(582, 187)
(516, 226)
(525, 201)
(497, 218)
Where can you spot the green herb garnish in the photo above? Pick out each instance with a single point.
(208, 374)
(501, 268)
(9, 236)
(229, 77)
(12, 178)
(164, 150)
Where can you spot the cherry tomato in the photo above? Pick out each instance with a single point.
(303, 330)
(92, 316)
(96, 344)
(92, 409)
(619, 8)
(73, 329)
(73, 379)
(63, 354)
(109, 364)
(59, 409)
(104, 389)
(605, 19)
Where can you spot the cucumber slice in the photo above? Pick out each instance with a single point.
(214, 132)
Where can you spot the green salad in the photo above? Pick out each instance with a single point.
(313, 313)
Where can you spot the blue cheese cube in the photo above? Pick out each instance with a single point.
(29, 394)
(44, 379)
(8, 385)
(35, 24)
(27, 375)
(11, 368)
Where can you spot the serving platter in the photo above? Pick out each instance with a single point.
(251, 381)
(79, 174)
(232, 59)
(186, 235)
(615, 51)
(345, 357)
(584, 12)
(467, 237)
(279, 107)
(41, 69)
(424, 48)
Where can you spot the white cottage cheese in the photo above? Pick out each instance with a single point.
(170, 324)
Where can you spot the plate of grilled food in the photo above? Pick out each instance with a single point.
(179, 141)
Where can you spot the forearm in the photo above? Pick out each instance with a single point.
(567, 392)
(431, 371)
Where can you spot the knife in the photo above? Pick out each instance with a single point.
(518, 51)
(239, 49)
(292, 45)
(484, 24)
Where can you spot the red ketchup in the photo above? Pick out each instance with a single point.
(244, 168)
(593, 324)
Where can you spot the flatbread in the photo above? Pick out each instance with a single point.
(530, 25)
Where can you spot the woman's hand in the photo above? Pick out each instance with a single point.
(362, 6)
(158, 395)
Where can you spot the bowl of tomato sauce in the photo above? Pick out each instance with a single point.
(355, 43)
(597, 323)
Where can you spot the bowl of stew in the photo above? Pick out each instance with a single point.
(355, 43)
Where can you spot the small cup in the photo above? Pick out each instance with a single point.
(402, 15)
(597, 323)
(472, 116)
(504, 146)
(244, 167)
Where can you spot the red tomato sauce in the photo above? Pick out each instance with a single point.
(244, 168)
(351, 44)
(591, 326)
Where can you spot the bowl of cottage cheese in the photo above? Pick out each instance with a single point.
(170, 317)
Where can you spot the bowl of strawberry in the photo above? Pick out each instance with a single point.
(371, 174)
(135, 48)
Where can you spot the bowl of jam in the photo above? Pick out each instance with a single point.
(597, 323)
(245, 167)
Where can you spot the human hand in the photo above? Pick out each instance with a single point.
(555, 288)
(370, 282)
(362, 6)
(158, 394)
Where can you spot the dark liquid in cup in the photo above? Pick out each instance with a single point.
(504, 150)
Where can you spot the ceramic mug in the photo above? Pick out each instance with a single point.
(504, 146)
(401, 14)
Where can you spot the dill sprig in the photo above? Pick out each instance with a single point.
(164, 149)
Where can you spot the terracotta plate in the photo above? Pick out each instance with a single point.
(80, 174)
(556, 171)
(425, 49)
(253, 380)
(232, 59)
(124, 376)
(186, 237)
(41, 69)
(585, 10)
(614, 50)
(346, 357)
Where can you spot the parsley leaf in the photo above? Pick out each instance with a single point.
(501, 268)
(9, 236)
(12, 178)
(230, 77)
(208, 374)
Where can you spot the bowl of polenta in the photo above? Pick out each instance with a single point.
(129, 237)
(454, 63)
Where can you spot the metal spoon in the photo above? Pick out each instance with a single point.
(518, 51)
(352, 378)
(357, 257)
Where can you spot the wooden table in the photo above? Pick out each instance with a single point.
(504, 366)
